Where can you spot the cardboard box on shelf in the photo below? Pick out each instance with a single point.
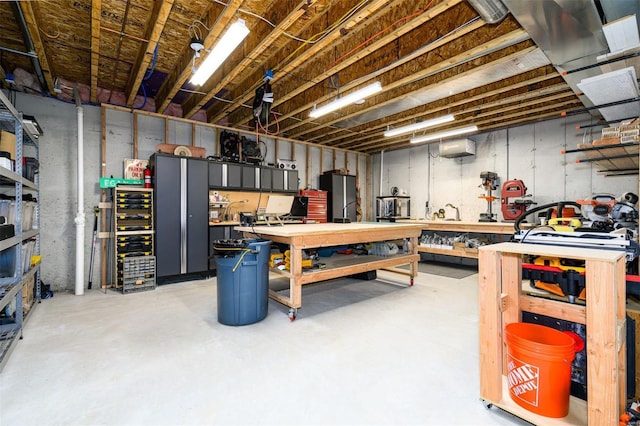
(28, 294)
(8, 143)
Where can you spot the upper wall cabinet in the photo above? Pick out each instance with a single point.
(250, 177)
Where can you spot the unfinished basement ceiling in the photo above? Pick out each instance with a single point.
(432, 58)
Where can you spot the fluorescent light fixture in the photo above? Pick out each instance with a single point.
(227, 44)
(351, 98)
(446, 134)
(418, 126)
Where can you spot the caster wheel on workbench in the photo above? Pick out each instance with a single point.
(292, 315)
(411, 282)
(486, 404)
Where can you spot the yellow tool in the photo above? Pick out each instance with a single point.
(564, 224)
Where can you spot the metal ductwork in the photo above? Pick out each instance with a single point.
(491, 11)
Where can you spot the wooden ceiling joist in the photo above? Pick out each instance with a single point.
(481, 99)
(193, 104)
(412, 56)
(491, 111)
(467, 55)
(182, 72)
(361, 53)
(96, 13)
(298, 61)
(455, 77)
(490, 124)
(161, 9)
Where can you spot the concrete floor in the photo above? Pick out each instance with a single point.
(360, 352)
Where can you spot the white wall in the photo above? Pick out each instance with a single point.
(531, 153)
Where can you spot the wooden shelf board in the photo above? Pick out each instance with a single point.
(577, 410)
(453, 252)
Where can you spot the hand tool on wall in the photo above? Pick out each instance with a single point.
(96, 210)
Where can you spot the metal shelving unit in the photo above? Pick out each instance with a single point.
(12, 315)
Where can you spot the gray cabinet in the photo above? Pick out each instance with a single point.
(277, 180)
(181, 214)
(341, 199)
(234, 175)
(216, 174)
(265, 178)
(251, 177)
(291, 180)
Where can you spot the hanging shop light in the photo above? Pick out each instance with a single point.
(227, 44)
(445, 134)
(418, 126)
(343, 101)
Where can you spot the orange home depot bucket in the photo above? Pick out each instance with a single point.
(539, 368)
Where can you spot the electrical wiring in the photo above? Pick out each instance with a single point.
(362, 44)
(46, 95)
(308, 41)
(147, 76)
(320, 35)
(314, 38)
(275, 116)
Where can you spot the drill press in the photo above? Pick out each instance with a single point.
(490, 184)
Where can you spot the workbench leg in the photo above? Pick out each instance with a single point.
(605, 338)
(295, 288)
(413, 243)
(490, 323)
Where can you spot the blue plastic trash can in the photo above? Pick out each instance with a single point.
(243, 280)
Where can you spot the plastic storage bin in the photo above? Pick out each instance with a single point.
(28, 208)
(5, 205)
(243, 280)
(8, 267)
(27, 251)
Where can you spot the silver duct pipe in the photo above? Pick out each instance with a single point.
(80, 218)
(22, 23)
(491, 11)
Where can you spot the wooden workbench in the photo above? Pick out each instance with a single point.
(489, 228)
(307, 236)
(501, 302)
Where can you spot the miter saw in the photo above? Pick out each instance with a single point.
(601, 222)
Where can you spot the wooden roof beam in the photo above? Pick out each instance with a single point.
(182, 72)
(420, 89)
(314, 50)
(489, 124)
(96, 12)
(364, 52)
(32, 25)
(515, 104)
(161, 11)
(505, 40)
(194, 102)
(448, 105)
(412, 56)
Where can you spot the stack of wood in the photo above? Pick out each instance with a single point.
(618, 148)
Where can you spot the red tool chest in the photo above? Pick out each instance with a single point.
(317, 209)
